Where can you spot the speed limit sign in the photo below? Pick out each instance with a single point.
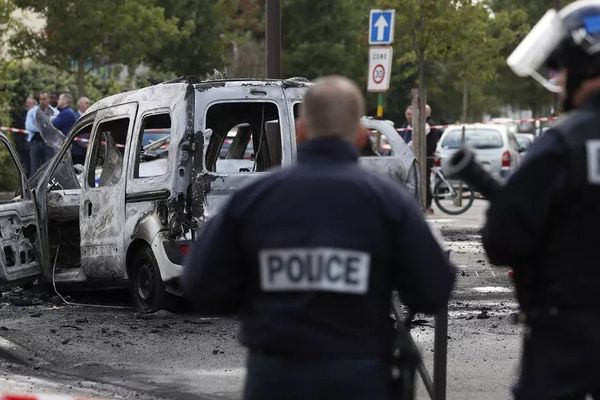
(380, 65)
(378, 74)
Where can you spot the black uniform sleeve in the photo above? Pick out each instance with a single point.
(213, 278)
(517, 214)
(424, 275)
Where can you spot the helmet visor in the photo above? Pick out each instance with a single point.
(530, 56)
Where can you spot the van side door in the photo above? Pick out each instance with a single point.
(102, 204)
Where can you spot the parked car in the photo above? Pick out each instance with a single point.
(129, 215)
(525, 140)
(495, 147)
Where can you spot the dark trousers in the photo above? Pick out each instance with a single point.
(271, 377)
(561, 358)
(39, 153)
(23, 150)
(429, 195)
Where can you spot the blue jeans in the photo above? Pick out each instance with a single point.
(39, 153)
(271, 377)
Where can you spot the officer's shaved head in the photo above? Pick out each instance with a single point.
(332, 107)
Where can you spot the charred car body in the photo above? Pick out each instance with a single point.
(128, 215)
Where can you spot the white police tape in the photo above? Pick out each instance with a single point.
(41, 397)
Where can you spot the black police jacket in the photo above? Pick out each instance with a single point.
(544, 223)
(309, 255)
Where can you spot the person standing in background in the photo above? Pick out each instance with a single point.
(39, 152)
(433, 136)
(53, 100)
(66, 115)
(82, 105)
(20, 138)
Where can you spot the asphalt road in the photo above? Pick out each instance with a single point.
(118, 353)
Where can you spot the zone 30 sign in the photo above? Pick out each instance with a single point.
(380, 67)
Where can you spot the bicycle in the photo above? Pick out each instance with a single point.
(453, 197)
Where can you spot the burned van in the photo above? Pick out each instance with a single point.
(158, 162)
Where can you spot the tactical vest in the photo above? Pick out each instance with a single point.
(567, 274)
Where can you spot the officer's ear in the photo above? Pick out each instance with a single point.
(301, 131)
(362, 136)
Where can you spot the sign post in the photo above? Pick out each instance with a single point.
(381, 34)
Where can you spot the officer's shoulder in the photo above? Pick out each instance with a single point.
(385, 188)
(573, 121)
(245, 196)
(551, 143)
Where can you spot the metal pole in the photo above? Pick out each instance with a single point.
(380, 105)
(273, 39)
(420, 141)
(440, 354)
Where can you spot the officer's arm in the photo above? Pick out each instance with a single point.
(59, 121)
(30, 121)
(213, 278)
(424, 277)
(517, 214)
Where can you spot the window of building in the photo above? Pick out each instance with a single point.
(106, 164)
(153, 146)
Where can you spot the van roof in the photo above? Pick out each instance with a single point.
(176, 88)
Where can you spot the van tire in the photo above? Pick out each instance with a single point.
(146, 286)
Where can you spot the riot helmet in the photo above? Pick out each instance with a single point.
(569, 39)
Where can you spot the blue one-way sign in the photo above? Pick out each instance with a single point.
(381, 27)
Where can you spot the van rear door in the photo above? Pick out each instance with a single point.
(250, 134)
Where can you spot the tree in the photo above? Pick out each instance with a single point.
(84, 35)
(486, 38)
(6, 22)
(201, 48)
(515, 91)
(325, 37)
(244, 36)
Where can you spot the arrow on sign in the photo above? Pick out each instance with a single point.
(381, 24)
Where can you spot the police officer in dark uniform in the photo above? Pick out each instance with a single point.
(309, 255)
(544, 222)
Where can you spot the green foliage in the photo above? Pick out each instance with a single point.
(81, 35)
(325, 37)
(243, 36)
(461, 46)
(200, 47)
(9, 174)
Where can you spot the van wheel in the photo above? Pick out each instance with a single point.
(147, 287)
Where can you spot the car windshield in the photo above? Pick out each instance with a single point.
(475, 138)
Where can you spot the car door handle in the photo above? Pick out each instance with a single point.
(87, 205)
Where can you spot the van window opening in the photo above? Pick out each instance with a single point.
(108, 151)
(153, 146)
(246, 137)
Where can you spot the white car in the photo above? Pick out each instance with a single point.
(495, 147)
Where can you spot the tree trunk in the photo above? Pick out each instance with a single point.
(81, 77)
(465, 101)
(419, 117)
